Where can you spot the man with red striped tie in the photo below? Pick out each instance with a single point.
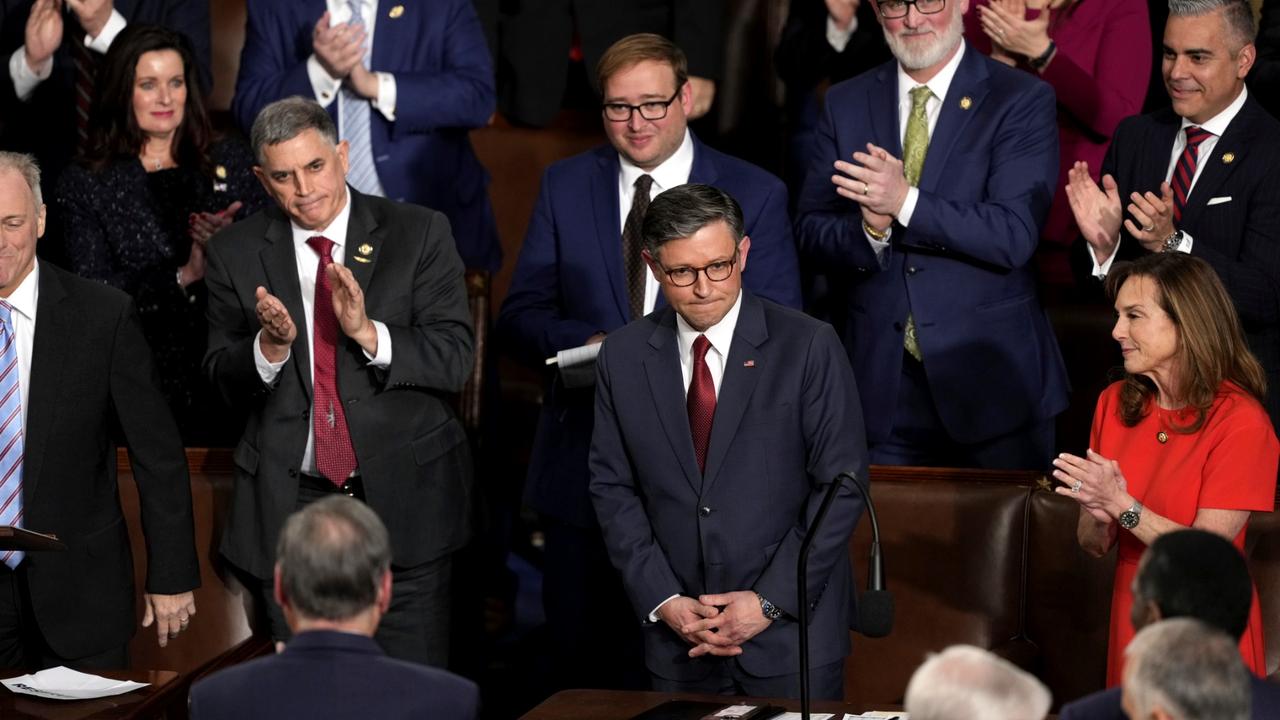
(75, 372)
(1200, 177)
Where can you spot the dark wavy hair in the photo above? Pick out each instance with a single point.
(1211, 343)
(113, 130)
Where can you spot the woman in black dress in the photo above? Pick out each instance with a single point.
(140, 205)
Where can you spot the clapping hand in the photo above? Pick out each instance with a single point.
(43, 33)
(203, 225)
(1093, 481)
(339, 48)
(278, 329)
(1097, 210)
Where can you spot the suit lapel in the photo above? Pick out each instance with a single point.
(885, 130)
(362, 246)
(49, 350)
(1155, 161)
(666, 386)
(970, 82)
(741, 373)
(608, 220)
(1235, 142)
(281, 266)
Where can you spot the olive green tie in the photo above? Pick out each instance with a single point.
(914, 147)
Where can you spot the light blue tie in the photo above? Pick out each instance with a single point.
(11, 443)
(361, 173)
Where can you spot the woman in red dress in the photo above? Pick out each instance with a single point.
(1182, 440)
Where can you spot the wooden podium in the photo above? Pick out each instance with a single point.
(16, 538)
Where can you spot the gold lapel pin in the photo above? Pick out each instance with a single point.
(1228, 158)
(220, 172)
(1162, 436)
(365, 249)
(966, 102)
(396, 12)
(361, 259)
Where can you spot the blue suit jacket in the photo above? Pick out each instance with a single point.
(444, 88)
(569, 284)
(1105, 705)
(326, 674)
(963, 267)
(787, 421)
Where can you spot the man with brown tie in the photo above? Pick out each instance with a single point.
(340, 321)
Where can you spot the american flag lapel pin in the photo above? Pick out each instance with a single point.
(749, 363)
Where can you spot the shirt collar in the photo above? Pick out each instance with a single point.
(672, 172)
(720, 335)
(1218, 123)
(23, 298)
(336, 231)
(939, 84)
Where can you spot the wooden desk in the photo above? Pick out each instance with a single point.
(148, 702)
(622, 704)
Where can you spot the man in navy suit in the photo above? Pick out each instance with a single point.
(403, 82)
(1217, 199)
(333, 580)
(576, 280)
(721, 421)
(944, 165)
(1195, 574)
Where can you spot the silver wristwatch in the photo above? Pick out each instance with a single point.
(1172, 242)
(771, 611)
(1130, 518)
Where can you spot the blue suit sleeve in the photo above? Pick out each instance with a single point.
(773, 271)
(269, 66)
(1004, 229)
(462, 93)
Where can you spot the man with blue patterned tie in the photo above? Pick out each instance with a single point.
(68, 383)
(404, 83)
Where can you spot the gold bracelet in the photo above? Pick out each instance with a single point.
(874, 233)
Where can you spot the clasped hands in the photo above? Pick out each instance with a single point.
(43, 32)
(1093, 481)
(279, 330)
(340, 50)
(715, 624)
(875, 181)
(1097, 212)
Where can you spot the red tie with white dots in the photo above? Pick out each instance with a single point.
(335, 457)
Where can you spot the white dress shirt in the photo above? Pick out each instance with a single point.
(1216, 125)
(307, 263)
(720, 336)
(326, 86)
(674, 171)
(939, 84)
(23, 300)
(839, 39)
(26, 78)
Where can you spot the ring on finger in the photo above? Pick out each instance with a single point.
(1076, 488)
(1148, 228)
(866, 189)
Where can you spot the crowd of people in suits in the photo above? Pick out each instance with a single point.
(293, 286)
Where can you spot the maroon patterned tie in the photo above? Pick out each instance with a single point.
(86, 66)
(335, 458)
(1185, 171)
(701, 401)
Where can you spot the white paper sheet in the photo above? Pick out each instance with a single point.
(63, 683)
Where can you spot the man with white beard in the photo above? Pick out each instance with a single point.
(930, 180)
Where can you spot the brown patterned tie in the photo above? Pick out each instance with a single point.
(632, 244)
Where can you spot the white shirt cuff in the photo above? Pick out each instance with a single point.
(382, 360)
(25, 78)
(839, 39)
(1100, 269)
(1187, 242)
(653, 616)
(102, 43)
(908, 206)
(385, 103)
(324, 85)
(267, 370)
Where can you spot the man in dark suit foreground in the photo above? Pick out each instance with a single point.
(721, 421)
(75, 371)
(333, 579)
(1195, 574)
(371, 292)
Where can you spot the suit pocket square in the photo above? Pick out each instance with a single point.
(1219, 200)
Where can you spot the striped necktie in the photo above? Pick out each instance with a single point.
(1184, 173)
(11, 440)
(356, 114)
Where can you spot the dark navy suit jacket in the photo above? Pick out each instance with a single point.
(1105, 705)
(569, 284)
(327, 674)
(787, 421)
(963, 267)
(444, 88)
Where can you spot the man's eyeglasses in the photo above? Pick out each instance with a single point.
(894, 9)
(652, 110)
(718, 271)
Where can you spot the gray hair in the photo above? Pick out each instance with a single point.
(285, 119)
(26, 166)
(1236, 14)
(1188, 669)
(332, 556)
(964, 682)
(684, 210)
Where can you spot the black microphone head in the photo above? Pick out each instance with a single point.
(875, 613)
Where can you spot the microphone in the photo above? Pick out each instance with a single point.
(875, 607)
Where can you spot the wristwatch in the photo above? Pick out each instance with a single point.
(1130, 518)
(1172, 242)
(771, 611)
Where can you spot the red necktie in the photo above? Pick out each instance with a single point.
(335, 458)
(1185, 171)
(701, 401)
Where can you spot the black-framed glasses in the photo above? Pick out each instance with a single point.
(652, 110)
(718, 271)
(894, 9)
